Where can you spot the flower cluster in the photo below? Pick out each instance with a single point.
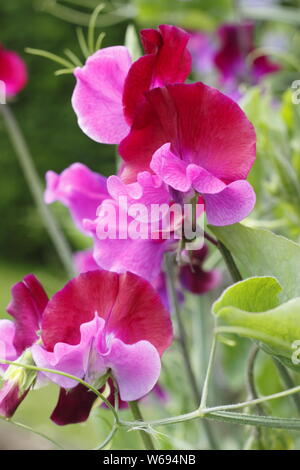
(180, 143)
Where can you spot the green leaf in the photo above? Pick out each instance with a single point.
(251, 310)
(259, 252)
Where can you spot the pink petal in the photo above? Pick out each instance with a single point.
(231, 205)
(73, 405)
(181, 176)
(84, 261)
(7, 349)
(141, 257)
(79, 189)
(167, 61)
(206, 128)
(170, 168)
(136, 368)
(13, 71)
(27, 306)
(97, 97)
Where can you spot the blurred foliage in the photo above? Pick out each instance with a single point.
(46, 117)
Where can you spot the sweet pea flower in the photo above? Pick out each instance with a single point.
(198, 141)
(192, 275)
(236, 43)
(110, 88)
(137, 237)
(16, 337)
(99, 322)
(13, 72)
(79, 189)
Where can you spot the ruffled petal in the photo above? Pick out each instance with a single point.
(167, 60)
(28, 303)
(68, 358)
(97, 97)
(79, 189)
(231, 205)
(133, 307)
(136, 368)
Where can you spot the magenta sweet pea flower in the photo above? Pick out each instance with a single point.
(236, 43)
(192, 275)
(110, 88)
(103, 321)
(28, 303)
(13, 71)
(204, 143)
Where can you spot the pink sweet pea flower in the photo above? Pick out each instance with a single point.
(110, 88)
(13, 71)
(28, 303)
(103, 321)
(84, 261)
(204, 143)
(121, 252)
(192, 275)
(79, 189)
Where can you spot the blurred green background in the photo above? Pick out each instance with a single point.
(45, 115)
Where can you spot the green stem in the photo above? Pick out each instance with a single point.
(35, 187)
(208, 374)
(287, 381)
(230, 263)
(145, 436)
(251, 379)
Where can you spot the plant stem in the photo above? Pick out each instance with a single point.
(146, 438)
(288, 381)
(230, 263)
(250, 377)
(208, 374)
(35, 187)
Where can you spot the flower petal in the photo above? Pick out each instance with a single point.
(79, 189)
(167, 60)
(134, 309)
(136, 368)
(13, 71)
(69, 358)
(28, 303)
(73, 405)
(97, 97)
(206, 128)
(7, 349)
(231, 205)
